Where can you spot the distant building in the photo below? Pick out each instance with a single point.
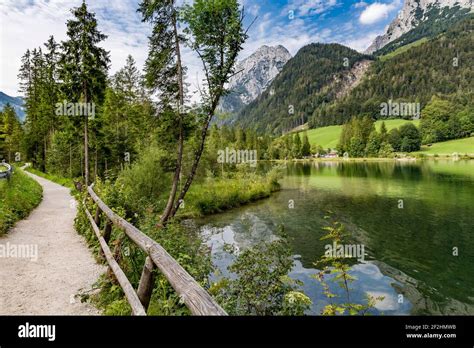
(332, 154)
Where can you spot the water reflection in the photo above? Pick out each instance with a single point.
(410, 250)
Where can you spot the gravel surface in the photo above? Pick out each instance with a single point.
(56, 264)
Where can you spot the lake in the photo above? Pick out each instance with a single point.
(414, 219)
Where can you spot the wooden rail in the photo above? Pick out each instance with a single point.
(6, 174)
(191, 293)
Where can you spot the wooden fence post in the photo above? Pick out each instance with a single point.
(145, 288)
(97, 217)
(106, 234)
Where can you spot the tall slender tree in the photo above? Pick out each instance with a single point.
(83, 66)
(216, 33)
(165, 75)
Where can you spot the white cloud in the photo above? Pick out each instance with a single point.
(28, 23)
(309, 7)
(360, 4)
(376, 12)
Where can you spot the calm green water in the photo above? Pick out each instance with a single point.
(409, 250)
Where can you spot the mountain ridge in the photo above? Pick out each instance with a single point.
(15, 102)
(253, 76)
(414, 13)
(310, 79)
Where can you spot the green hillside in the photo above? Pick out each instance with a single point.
(461, 146)
(411, 76)
(403, 49)
(328, 137)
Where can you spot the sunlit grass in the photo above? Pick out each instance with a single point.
(328, 137)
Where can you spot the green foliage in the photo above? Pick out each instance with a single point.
(355, 136)
(83, 64)
(412, 76)
(447, 118)
(339, 270)
(183, 244)
(356, 140)
(215, 195)
(373, 144)
(127, 123)
(402, 49)
(386, 150)
(297, 146)
(11, 134)
(18, 197)
(306, 147)
(410, 138)
(217, 34)
(262, 285)
(394, 139)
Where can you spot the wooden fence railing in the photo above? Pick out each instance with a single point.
(5, 174)
(191, 293)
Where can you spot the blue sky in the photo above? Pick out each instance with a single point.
(292, 23)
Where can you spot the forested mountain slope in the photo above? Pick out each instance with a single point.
(436, 22)
(315, 76)
(440, 66)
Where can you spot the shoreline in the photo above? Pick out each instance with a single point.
(370, 159)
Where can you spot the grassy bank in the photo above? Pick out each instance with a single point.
(462, 147)
(217, 195)
(18, 197)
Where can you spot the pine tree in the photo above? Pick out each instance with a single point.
(2, 137)
(383, 132)
(297, 146)
(373, 144)
(83, 66)
(11, 133)
(306, 147)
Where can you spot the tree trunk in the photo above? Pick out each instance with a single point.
(95, 166)
(168, 212)
(197, 159)
(86, 140)
(70, 160)
(210, 114)
(86, 152)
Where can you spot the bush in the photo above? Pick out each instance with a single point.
(146, 183)
(262, 285)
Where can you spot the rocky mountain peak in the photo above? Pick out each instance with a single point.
(413, 13)
(253, 76)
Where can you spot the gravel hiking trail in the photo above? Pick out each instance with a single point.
(64, 269)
